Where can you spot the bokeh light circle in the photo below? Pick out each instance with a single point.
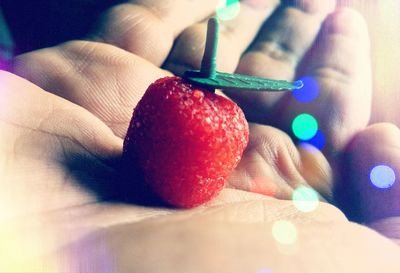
(308, 92)
(382, 176)
(318, 140)
(228, 9)
(308, 147)
(284, 232)
(305, 199)
(305, 126)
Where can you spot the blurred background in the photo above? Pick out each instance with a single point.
(43, 23)
(29, 25)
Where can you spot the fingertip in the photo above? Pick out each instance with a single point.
(374, 135)
(373, 171)
(346, 21)
(316, 170)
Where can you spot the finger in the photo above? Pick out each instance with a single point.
(340, 67)
(148, 28)
(316, 170)
(235, 35)
(41, 135)
(278, 49)
(104, 79)
(369, 189)
(271, 165)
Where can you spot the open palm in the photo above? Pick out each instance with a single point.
(60, 169)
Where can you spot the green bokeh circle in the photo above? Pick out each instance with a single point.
(304, 126)
(228, 9)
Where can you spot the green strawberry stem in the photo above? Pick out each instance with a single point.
(210, 79)
(209, 62)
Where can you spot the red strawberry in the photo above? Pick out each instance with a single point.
(186, 140)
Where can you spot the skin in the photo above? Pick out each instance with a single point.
(61, 140)
(383, 25)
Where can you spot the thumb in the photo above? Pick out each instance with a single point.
(369, 190)
(103, 79)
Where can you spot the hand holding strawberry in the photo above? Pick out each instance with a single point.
(186, 140)
(107, 81)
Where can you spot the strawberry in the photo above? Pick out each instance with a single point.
(186, 140)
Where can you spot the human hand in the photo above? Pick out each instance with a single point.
(57, 159)
(144, 17)
(97, 67)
